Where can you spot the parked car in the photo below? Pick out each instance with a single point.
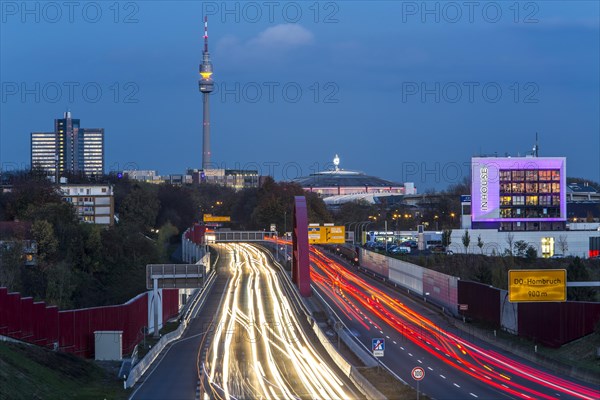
(558, 255)
(401, 250)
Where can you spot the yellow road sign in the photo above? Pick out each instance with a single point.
(316, 234)
(215, 218)
(537, 285)
(335, 234)
(326, 234)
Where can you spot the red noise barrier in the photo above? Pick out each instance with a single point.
(73, 330)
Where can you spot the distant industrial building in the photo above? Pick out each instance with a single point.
(352, 184)
(69, 149)
(150, 176)
(93, 203)
(237, 179)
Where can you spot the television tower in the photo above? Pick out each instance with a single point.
(206, 86)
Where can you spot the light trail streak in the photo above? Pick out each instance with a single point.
(258, 324)
(343, 285)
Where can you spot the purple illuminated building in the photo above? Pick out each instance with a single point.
(518, 193)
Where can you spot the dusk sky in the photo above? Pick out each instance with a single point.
(408, 91)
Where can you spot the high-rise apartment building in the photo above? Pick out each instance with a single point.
(69, 148)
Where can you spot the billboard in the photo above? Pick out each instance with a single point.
(530, 189)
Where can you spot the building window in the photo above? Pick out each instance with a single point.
(518, 200)
(556, 175)
(505, 200)
(545, 188)
(532, 200)
(556, 200)
(531, 175)
(545, 175)
(518, 188)
(518, 175)
(505, 188)
(545, 200)
(505, 175)
(556, 188)
(531, 187)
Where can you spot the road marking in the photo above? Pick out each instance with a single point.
(420, 362)
(473, 395)
(402, 347)
(457, 385)
(387, 336)
(381, 332)
(395, 342)
(410, 354)
(442, 376)
(429, 368)
(505, 385)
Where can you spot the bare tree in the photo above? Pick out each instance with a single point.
(510, 239)
(563, 245)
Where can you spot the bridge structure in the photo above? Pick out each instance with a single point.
(240, 236)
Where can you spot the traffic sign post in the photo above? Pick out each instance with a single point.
(537, 285)
(418, 374)
(378, 346)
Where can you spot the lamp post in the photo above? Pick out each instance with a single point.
(361, 227)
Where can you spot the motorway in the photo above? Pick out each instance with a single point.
(259, 349)
(455, 367)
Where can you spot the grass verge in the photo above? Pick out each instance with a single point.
(31, 372)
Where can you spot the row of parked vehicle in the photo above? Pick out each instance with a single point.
(405, 247)
(393, 248)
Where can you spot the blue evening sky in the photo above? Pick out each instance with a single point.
(407, 91)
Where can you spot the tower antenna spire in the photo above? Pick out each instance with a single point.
(206, 34)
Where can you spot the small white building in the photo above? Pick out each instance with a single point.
(93, 203)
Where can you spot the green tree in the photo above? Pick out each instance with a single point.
(531, 254)
(466, 240)
(11, 262)
(576, 272)
(480, 243)
(520, 248)
(47, 244)
(166, 232)
(140, 207)
(61, 285)
(446, 237)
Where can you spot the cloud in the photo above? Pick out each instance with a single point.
(283, 36)
(271, 45)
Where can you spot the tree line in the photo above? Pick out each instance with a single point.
(83, 265)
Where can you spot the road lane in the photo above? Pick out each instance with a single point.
(259, 349)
